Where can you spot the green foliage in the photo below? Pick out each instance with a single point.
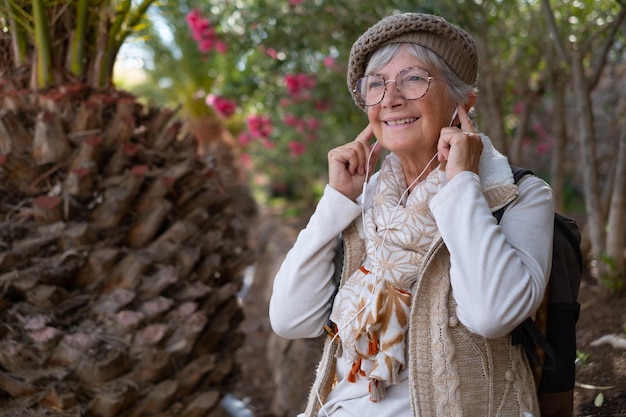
(269, 41)
(268, 44)
(581, 22)
(612, 277)
(582, 359)
(66, 40)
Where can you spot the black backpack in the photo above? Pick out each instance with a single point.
(550, 339)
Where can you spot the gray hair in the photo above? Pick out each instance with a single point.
(459, 90)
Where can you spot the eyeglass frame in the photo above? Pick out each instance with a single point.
(429, 78)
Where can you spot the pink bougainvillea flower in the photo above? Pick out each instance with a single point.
(206, 45)
(308, 82)
(244, 139)
(221, 47)
(543, 148)
(329, 62)
(305, 95)
(293, 3)
(194, 18)
(222, 106)
(292, 84)
(272, 53)
(259, 126)
(312, 123)
(539, 130)
(296, 148)
(298, 83)
(300, 126)
(246, 161)
(322, 106)
(290, 120)
(268, 144)
(203, 33)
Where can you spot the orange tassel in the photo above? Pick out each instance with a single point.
(356, 370)
(372, 347)
(365, 271)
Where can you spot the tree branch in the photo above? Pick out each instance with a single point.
(604, 51)
(558, 42)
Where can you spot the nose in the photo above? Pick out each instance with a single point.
(392, 93)
(391, 81)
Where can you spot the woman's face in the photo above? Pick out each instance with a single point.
(407, 127)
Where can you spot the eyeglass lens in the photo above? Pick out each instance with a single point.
(412, 83)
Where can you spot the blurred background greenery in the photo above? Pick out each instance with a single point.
(282, 65)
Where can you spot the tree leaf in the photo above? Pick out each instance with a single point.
(599, 400)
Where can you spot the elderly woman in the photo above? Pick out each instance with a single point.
(425, 286)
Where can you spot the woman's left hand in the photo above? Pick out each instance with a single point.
(460, 148)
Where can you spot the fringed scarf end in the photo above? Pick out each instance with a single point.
(377, 390)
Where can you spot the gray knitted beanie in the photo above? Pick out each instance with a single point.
(455, 46)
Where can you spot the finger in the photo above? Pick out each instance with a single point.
(443, 147)
(466, 122)
(365, 152)
(366, 135)
(353, 156)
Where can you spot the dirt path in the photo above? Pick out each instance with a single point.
(601, 365)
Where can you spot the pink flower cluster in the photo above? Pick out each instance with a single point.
(301, 125)
(221, 105)
(203, 33)
(329, 62)
(259, 126)
(296, 148)
(299, 84)
(272, 53)
(544, 145)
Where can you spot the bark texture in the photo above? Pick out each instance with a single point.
(121, 256)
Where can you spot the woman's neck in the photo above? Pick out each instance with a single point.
(415, 172)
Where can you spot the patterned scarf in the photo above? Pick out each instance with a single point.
(371, 309)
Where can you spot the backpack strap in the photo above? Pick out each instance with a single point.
(518, 174)
(534, 341)
(528, 333)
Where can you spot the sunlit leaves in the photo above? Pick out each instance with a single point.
(584, 21)
(269, 40)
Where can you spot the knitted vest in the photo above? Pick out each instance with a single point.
(452, 371)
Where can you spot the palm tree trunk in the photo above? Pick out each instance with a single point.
(42, 40)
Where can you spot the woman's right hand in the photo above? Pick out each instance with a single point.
(347, 164)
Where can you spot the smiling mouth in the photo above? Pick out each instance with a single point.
(400, 121)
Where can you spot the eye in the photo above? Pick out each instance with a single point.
(415, 76)
(374, 82)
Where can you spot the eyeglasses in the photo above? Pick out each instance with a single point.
(412, 84)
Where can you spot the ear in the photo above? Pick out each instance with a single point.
(470, 102)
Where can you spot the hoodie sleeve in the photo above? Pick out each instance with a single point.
(303, 286)
(499, 272)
